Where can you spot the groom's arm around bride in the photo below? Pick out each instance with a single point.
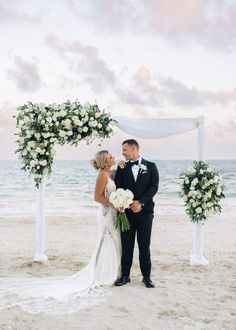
(142, 178)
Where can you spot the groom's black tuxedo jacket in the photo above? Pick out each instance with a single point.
(146, 185)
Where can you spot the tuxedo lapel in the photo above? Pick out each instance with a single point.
(140, 171)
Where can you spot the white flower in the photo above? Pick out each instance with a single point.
(62, 133)
(216, 178)
(218, 191)
(209, 204)
(85, 129)
(201, 171)
(143, 168)
(199, 210)
(185, 198)
(99, 125)
(62, 113)
(121, 198)
(97, 115)
(68, 123)
(43, 162)
(69, 133)
(38, 150)
(26, 119)
(21, 123)
(37, 135)
(186, 181)
(32, 163)
(49, 119)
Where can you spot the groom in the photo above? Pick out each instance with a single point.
(142, 178)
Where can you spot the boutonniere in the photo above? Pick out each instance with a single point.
(143, 168)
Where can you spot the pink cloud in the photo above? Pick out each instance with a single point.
(145, 89)
(13, 13)
(25, 74)
(96, 72)
(209, 23)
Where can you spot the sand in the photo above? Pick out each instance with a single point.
(185, 297)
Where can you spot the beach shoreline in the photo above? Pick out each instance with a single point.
(186, 297)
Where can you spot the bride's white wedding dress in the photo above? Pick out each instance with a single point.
(79, 291)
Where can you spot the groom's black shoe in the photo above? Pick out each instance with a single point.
(148, 282)
(122, 280)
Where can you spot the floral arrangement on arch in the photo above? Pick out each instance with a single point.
(42, 126)
(201, 190)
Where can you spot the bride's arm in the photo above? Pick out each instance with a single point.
(99, 191)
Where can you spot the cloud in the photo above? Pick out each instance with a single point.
(25, 74)
(145, 88)
(9, 13)
(209, 23)
(227, 130)
(95, 71)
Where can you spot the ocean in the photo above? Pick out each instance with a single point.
(69, 190)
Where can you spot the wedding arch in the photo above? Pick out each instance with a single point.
(42, 126)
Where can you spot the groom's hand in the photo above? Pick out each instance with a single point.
(136, 206)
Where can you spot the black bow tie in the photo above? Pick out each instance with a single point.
(131, 163)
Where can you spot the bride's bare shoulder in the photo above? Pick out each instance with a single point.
(102, 176)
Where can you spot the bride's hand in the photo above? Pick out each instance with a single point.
(120, 209)
(121, 164)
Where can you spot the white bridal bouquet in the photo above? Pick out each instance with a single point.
(121, 199)
(201, 190)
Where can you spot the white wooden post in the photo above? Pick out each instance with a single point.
(40, 223)
(197, 257)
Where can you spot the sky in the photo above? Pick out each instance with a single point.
(138, 58)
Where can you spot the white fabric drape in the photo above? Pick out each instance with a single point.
(154, 128)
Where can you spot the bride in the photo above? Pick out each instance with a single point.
(83, 289)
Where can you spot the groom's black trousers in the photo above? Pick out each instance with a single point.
(140, 223)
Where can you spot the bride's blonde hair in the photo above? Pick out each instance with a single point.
(99, 160)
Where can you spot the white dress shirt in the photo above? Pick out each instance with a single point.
(135, 168)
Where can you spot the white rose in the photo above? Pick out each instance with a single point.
(85, 129)
(49, 119)
(186, 181)
(185, 198)
(97, 115)
(99, 125)
(21, 123)
(24, 152)
(26, 119)
(218, 191)
(201, 171)
(209, 204)
(216, 178)
(199, 210)
(38, 150)
(67, 123)
(62, 134)
(43, 162)
(69, 133)
(62, 113)
(32, 163)
(37, 135)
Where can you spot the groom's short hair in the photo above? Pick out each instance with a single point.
(131, 142)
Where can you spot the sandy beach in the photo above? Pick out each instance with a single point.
(185, 297)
